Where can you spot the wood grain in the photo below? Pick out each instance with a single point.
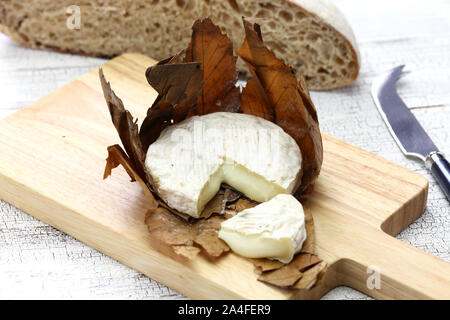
(51, 162)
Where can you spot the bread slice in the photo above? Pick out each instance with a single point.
(312, 36)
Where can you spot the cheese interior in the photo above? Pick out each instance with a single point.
(254, 246)
(274, 229)
(240, 178)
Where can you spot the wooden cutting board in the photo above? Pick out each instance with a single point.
(52, 156)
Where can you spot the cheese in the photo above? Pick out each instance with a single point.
(190, 160)
(274, 229)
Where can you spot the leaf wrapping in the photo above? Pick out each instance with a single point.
(117, 156)
(215, 52)
(178, 86)
(254, 100)
(126, 127)
(292, 107)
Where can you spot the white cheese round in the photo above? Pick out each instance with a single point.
(190, 160)
(274, 229)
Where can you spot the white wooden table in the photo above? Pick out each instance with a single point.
(38, 261)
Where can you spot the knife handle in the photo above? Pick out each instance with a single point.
(440, 168)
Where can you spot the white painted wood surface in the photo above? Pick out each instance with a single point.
(38, 261)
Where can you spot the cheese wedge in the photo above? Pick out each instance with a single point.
(190, 160)
(274, 229)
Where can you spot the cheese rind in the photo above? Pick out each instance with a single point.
(190, 160)
(274, 229)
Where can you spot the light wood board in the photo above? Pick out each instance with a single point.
(51, 163)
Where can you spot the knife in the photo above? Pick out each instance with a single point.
(406, 130)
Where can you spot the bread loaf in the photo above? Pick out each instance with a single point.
(312, 36)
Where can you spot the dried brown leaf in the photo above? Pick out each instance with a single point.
(206, 235)
(267, 264)
(283, 277)
(168, 228)
(244, 203)
(215, 205)
(215, 51)
(174, 231)
(311, 277)
(254, 100)
(221, 201)
(292, 107)
(231, 195)
(126, 127)
(304, 261)
(117, 156)
(178, 86)
(286, 275)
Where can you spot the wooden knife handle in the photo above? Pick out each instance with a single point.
(440, 168)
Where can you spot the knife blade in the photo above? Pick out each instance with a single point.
(406, 130)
